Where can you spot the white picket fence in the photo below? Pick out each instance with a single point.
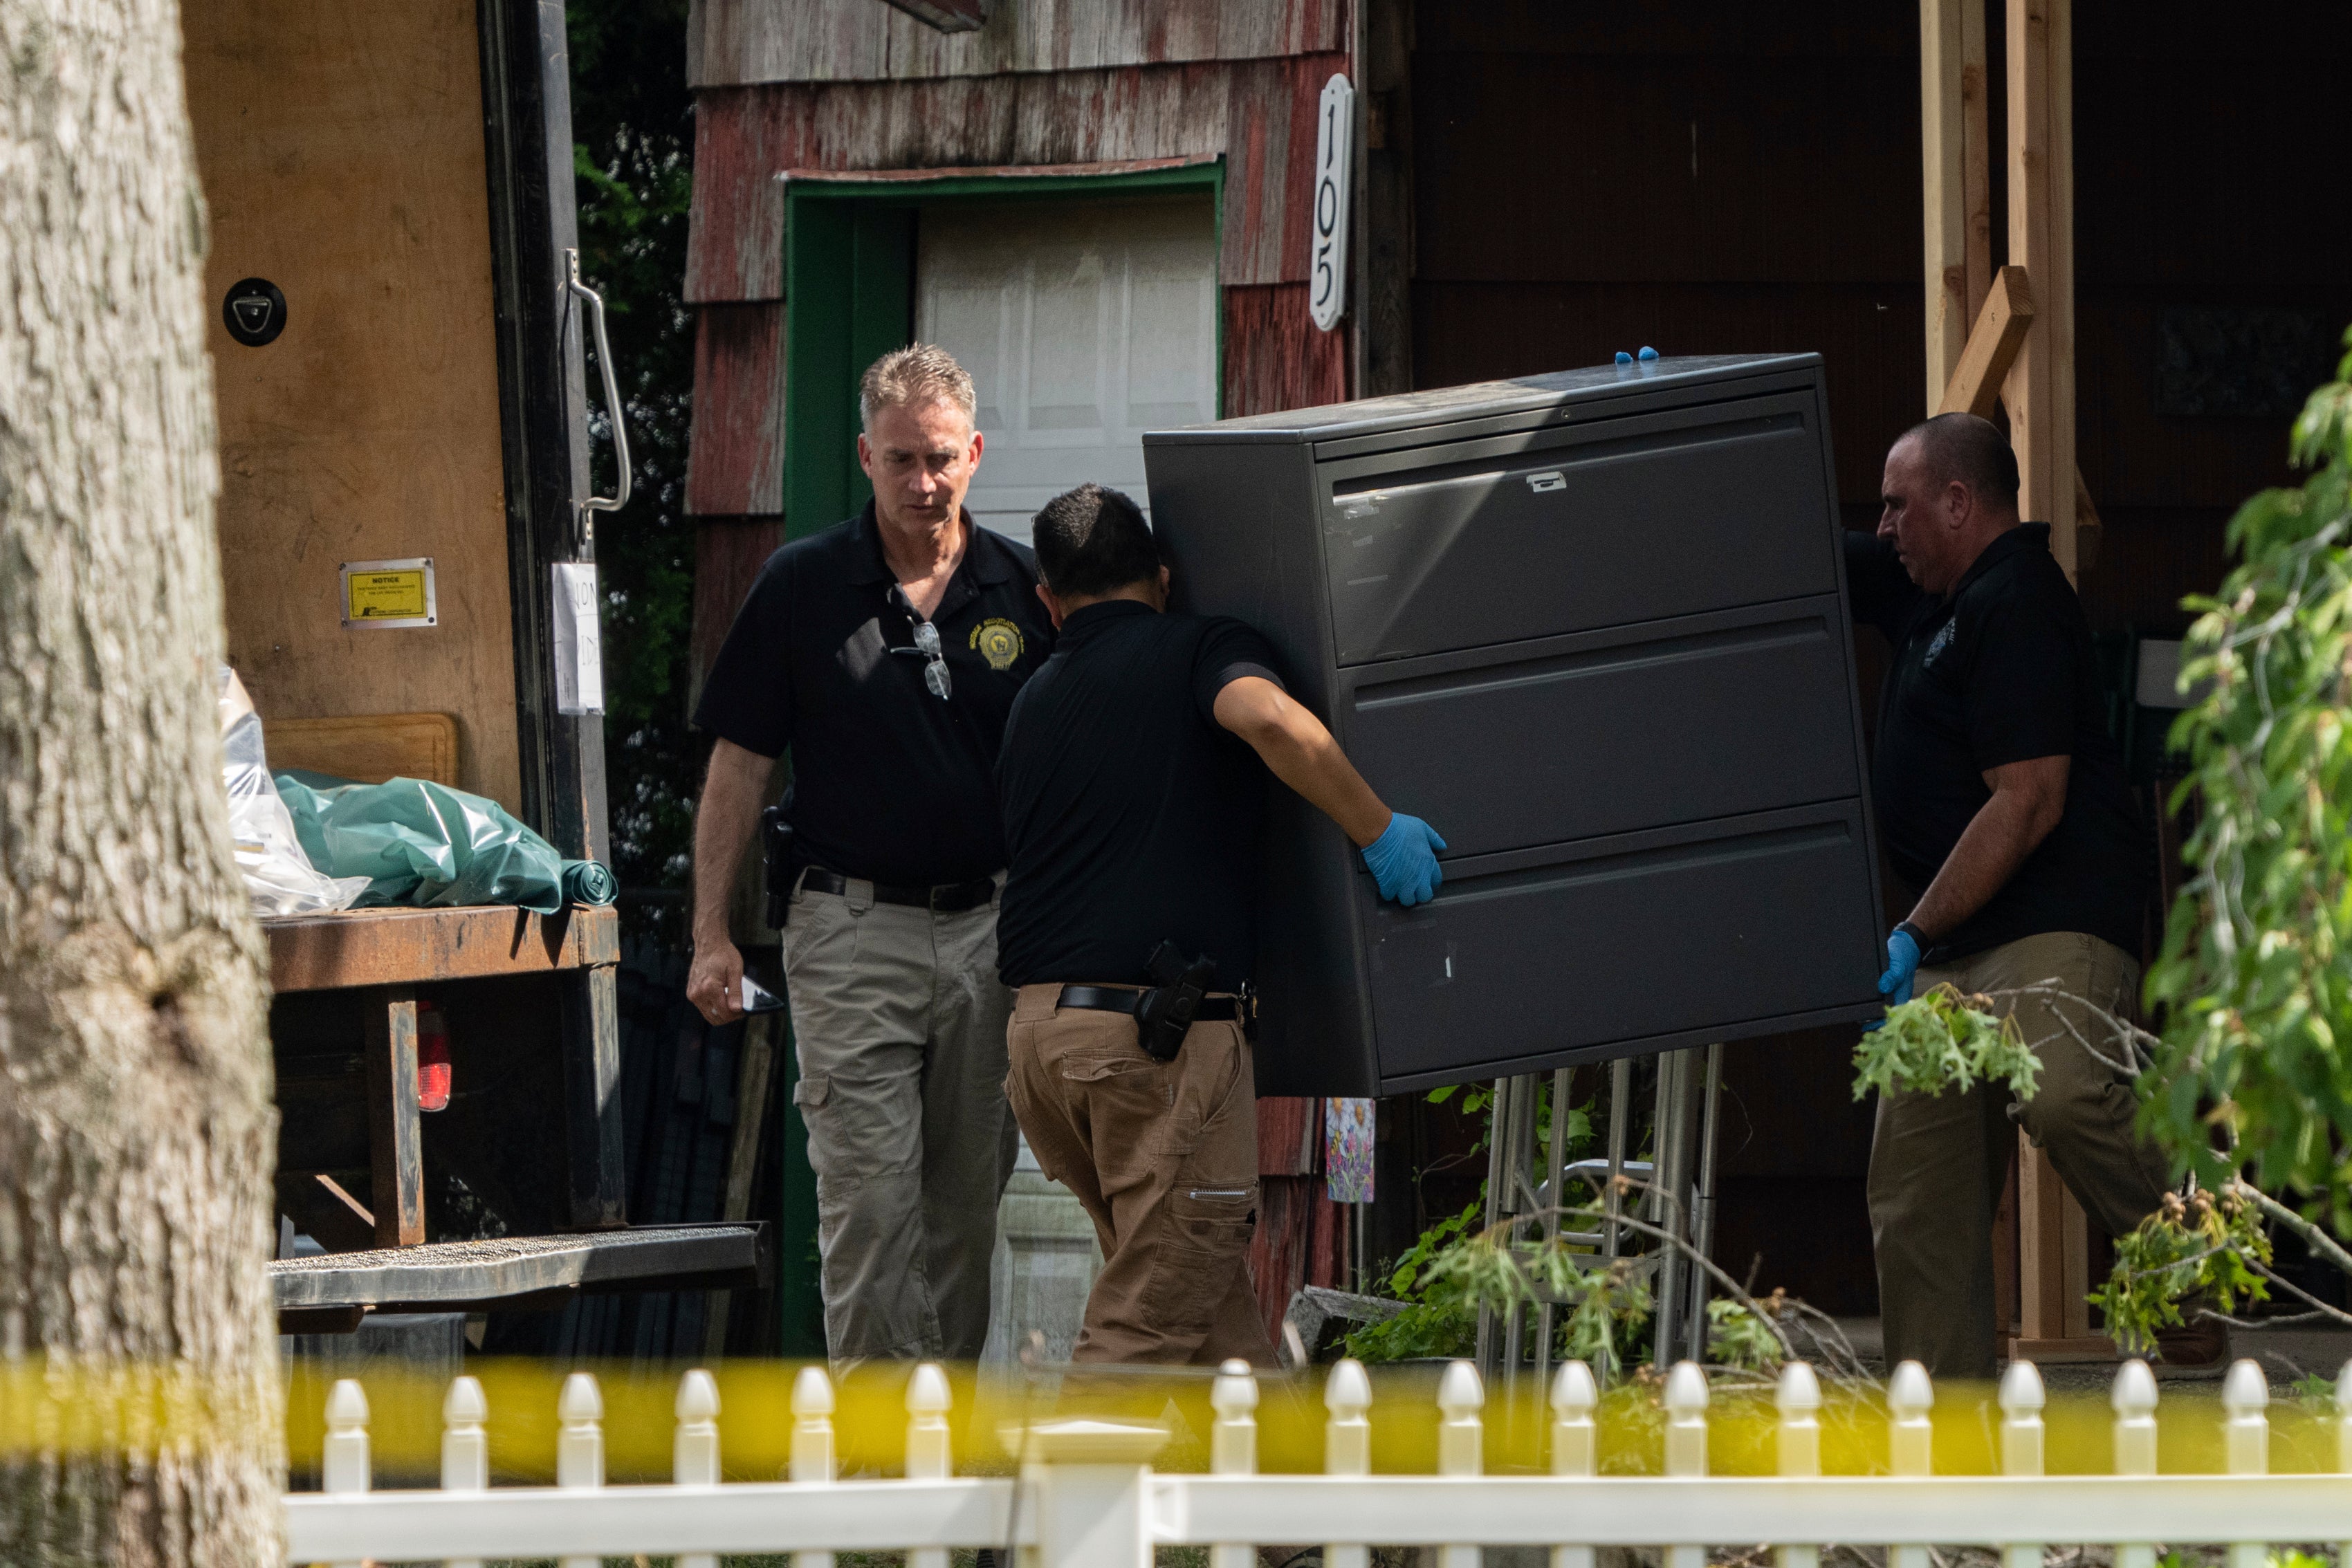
(1086, 1494)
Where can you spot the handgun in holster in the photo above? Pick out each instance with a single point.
(1165, 1014)
(776, 851)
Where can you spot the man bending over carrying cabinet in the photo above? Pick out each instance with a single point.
(1131, 809)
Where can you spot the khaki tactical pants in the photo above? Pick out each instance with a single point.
(1164, 1156)
(1937, 1162)
(899, 1019)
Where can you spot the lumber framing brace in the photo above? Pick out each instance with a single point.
(1978, 374)
(2031, 372)
(2006, 338)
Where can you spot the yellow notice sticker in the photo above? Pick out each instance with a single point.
(387, 595)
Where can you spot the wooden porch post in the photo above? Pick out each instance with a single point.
(2024, 343)
(2039, 390)
(1957, 169)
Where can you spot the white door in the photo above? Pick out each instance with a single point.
(1084, 324)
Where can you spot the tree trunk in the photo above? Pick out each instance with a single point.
(136, 1130)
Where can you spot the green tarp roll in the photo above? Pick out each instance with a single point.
(428, 845)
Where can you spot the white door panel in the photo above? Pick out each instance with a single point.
(1083, 325)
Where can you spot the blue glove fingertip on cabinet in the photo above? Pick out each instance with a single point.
(1901, 966)
(1403, 860)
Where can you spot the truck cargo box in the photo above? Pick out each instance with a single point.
(1592, 626)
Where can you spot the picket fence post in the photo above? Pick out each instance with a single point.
(2246, 1435)
(1347, 1444)
(1459, 1446)
(580, 1444)
(2344, 1440)
(2022, 1399)
(1575, 1448)
(1686, 1443)
(1233, 1445)
(2134, 1399)
(344, 1468)
(1910, 1441)
(931, 1445)
(465, 1446)
(1093, 1505)
(1797, 1398)
(813, 1456)
(694, 1450)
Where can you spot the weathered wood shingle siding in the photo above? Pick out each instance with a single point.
(741, 43)
(735, 461)
(1258, 114)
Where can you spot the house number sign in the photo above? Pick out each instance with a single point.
(1335, 162)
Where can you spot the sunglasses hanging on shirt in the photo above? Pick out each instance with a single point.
(936, 678)
(935, 667)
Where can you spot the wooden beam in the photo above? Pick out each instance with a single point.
(591, 1098)
(401, 946)
(1992, 347)
(2041, 1230)
(395, 1133)
(1957, 187)
(338, 1221)
(1976, 155)
(760, 1032)
(2058, 296)
(2040, 386)
(1943, 201)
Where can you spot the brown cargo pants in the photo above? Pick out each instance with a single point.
(1937, 1162)
(1164, 1156)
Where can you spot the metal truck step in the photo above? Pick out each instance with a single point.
(316, 1294)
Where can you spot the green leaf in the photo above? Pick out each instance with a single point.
(1943, 1041)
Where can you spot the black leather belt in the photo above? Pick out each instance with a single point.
(1116, 1000)
(948, 898)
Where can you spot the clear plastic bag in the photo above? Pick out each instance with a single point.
(279, 877)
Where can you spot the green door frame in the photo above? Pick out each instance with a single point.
(849, 299)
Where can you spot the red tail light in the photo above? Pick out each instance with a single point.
(431, 1059)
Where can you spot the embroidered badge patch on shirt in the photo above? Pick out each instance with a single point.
(998, 640)
(1942, 640)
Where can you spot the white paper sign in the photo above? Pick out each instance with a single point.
(1335, 164)
(579, 649)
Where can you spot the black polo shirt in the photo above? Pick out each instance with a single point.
(888, 782)
(1999, 671)
(1130, 814)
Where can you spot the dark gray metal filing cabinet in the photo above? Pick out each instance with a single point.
(1592, 627)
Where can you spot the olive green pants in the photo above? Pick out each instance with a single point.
(1937, 1162)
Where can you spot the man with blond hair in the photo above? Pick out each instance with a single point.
(885, 652)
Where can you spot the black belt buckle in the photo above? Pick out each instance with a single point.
(1246, 1010)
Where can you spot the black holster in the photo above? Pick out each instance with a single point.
(780, 864)
(1165, 1014)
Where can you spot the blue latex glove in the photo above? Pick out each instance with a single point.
(1403, 860)
(1902, 964)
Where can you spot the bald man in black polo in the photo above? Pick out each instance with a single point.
(2001, 798)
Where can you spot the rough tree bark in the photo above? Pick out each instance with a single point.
(136, 1131)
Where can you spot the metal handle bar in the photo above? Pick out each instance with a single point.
(612, 389)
